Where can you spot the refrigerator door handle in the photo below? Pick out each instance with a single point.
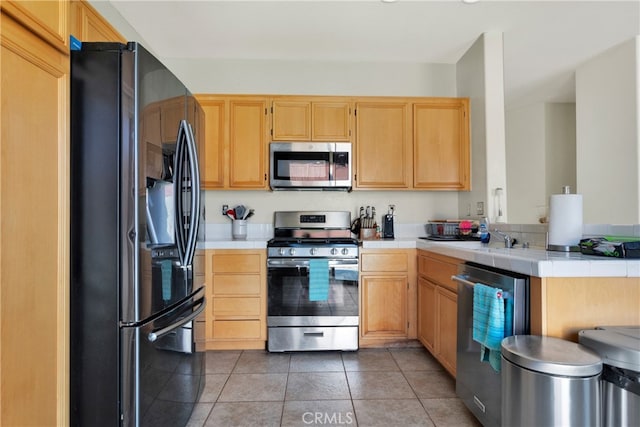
(194, 216)
(178, 183)
(201, 303)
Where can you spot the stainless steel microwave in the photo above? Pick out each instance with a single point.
(310, 165)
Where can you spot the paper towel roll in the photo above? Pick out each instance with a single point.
(565, 219)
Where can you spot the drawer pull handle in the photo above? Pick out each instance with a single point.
(314, 334)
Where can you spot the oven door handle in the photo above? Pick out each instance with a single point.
(351, 264)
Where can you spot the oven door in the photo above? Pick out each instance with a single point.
(291, 303)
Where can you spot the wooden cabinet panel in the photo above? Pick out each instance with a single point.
(237, 329)
(438, 307)
(383, 145)
(291, 121)
(439, 271)
(447, 318)
(385, 305)
(427, 313)
(34, 284)
(248, 143)
(441, 144)
(213, 162)
(87, 25)
(235, 142)
(331, 121)
(237, 263)
(236, 306)
(46, 19)
(236, 314)
(237, 284)
(384, 261)
(324, 119)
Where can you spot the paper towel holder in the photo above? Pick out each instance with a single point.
(562, 248)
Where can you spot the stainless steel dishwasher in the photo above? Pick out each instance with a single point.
(477, 383)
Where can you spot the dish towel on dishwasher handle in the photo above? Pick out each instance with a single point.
(318, 279)
(488, 322)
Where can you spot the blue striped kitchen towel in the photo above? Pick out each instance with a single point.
(318, 279)
(488, 322)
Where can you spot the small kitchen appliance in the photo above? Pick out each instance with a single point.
(387, 224)
(312, 282)
(310, 166)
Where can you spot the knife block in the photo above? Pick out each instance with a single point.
(367, 233)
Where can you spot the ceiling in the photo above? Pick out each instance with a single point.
(544, 41)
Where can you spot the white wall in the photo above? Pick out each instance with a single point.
(540, 146)
(607, 135)
(480, 77)
(525, 147)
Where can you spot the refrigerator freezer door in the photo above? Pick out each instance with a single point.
(163, 370)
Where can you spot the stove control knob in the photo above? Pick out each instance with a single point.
(334, 251)
(281, 251)
(345, 251)
(314, 251)
(292, 251)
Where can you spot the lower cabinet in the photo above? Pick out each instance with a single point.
(237, 305)
(438, 307)
(387, 284)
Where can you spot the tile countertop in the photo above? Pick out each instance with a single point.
(536, 261)
(531, 261)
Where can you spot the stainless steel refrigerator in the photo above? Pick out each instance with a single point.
(137, 275)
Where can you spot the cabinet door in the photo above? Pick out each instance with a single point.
(34, 140)
(46, 19)
(447, 325)
(427, 313)
(441, 145)
(384, 306)
(87, 25)
(213, 161)
(291, 121)
(330, 121)
(383, 145)
(248, 143)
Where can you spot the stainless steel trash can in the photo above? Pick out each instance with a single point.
(549, 382)
(619, 347)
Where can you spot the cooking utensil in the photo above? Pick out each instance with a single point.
(240, 210)
(248, 214)
(231, 214)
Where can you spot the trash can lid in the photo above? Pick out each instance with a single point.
(550, 355)
(618, 346)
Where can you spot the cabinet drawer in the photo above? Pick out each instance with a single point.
(384, 262)
(236, 263)
(241, 306)
(438, 271)
(236, 284)
(236, 329)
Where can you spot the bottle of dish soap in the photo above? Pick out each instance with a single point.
(485, 236)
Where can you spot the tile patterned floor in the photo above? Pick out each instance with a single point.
(372, 387)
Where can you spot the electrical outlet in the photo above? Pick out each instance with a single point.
(225, 208)
(480, 208)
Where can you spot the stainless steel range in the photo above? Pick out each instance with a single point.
(312, 276)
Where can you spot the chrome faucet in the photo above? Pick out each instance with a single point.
(508, 240)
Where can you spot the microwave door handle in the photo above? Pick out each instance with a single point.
(194, 193)
(332, 167)
(177, 193)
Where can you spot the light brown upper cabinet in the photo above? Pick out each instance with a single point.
(235, 142)
(311, 119)
(383, 144)
(441, 144)
(88, 25)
